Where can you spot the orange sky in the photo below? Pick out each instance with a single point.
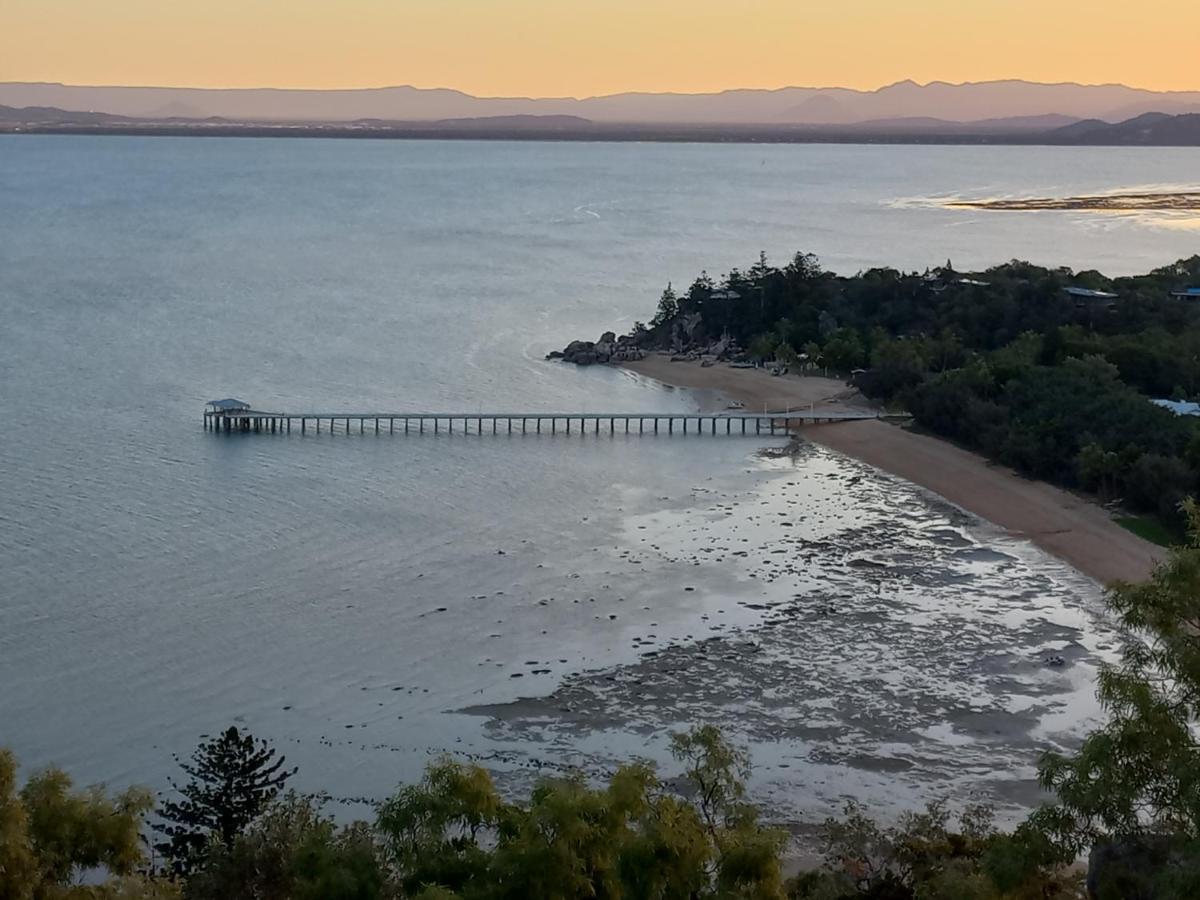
(586, 47)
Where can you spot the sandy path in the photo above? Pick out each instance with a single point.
(1071, 528)
(756, 388)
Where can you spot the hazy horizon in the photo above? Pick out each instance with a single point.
(538, 48)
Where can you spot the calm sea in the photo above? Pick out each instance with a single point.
(368, 602)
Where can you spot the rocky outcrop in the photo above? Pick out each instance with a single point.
(609, 349)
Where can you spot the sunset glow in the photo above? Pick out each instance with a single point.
(588, 47)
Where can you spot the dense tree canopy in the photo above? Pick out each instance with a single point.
(1005, 361)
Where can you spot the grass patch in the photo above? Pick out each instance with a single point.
(1150, 529)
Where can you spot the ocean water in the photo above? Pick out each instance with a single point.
(534, 602)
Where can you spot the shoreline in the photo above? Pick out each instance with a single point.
(1067, 526)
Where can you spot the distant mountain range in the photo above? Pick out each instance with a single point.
(180, 114)
(1150, 129)
(1011, 101)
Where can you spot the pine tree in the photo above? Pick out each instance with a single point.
(232, 779)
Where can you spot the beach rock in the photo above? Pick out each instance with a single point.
(608, 349)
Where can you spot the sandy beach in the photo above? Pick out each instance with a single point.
(1070, 527)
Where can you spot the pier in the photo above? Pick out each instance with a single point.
(234, 416)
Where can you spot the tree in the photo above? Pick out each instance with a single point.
(946, 351)
(51, 834)
(1136, 780)
(747, 854)
(1052, 351)
(763, 347)
(760, 269)
(716, 769)
(668, 308)
(897, 366)
(1159, 483)
(430, 830)
(1098, 469)
(232, 779)
(452, 836)
(812, 354)
(804, 266)
(844, 350)
(18, 865)
(292, 852)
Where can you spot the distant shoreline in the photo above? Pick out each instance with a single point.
(598, 133)
(1075, 530)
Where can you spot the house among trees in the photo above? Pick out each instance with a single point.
(1187, 293)
(1087, 298)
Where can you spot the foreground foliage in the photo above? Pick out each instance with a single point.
(1134, 786)
(453, 836)
(52, 834)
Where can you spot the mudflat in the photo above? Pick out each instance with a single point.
(1070, 527)
(1187, 201)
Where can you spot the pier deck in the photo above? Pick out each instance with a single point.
(739, 422)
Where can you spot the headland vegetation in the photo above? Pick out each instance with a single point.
(1061, 398)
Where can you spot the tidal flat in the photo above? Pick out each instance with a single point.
(1168, 201)
(867, 639)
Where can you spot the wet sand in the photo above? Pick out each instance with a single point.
(1063, 524)
(865, 638)
(756, 388)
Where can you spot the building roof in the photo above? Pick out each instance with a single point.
(228, 405)
(1089, 293)
(1179, 407)
(725, 295)
(1187, 292)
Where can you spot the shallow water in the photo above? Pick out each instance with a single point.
(347, 596)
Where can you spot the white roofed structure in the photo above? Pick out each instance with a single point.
(228, 405)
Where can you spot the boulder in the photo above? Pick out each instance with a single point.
(607, 338)
(582, 353)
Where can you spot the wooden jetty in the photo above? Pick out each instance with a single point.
(231, 416)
